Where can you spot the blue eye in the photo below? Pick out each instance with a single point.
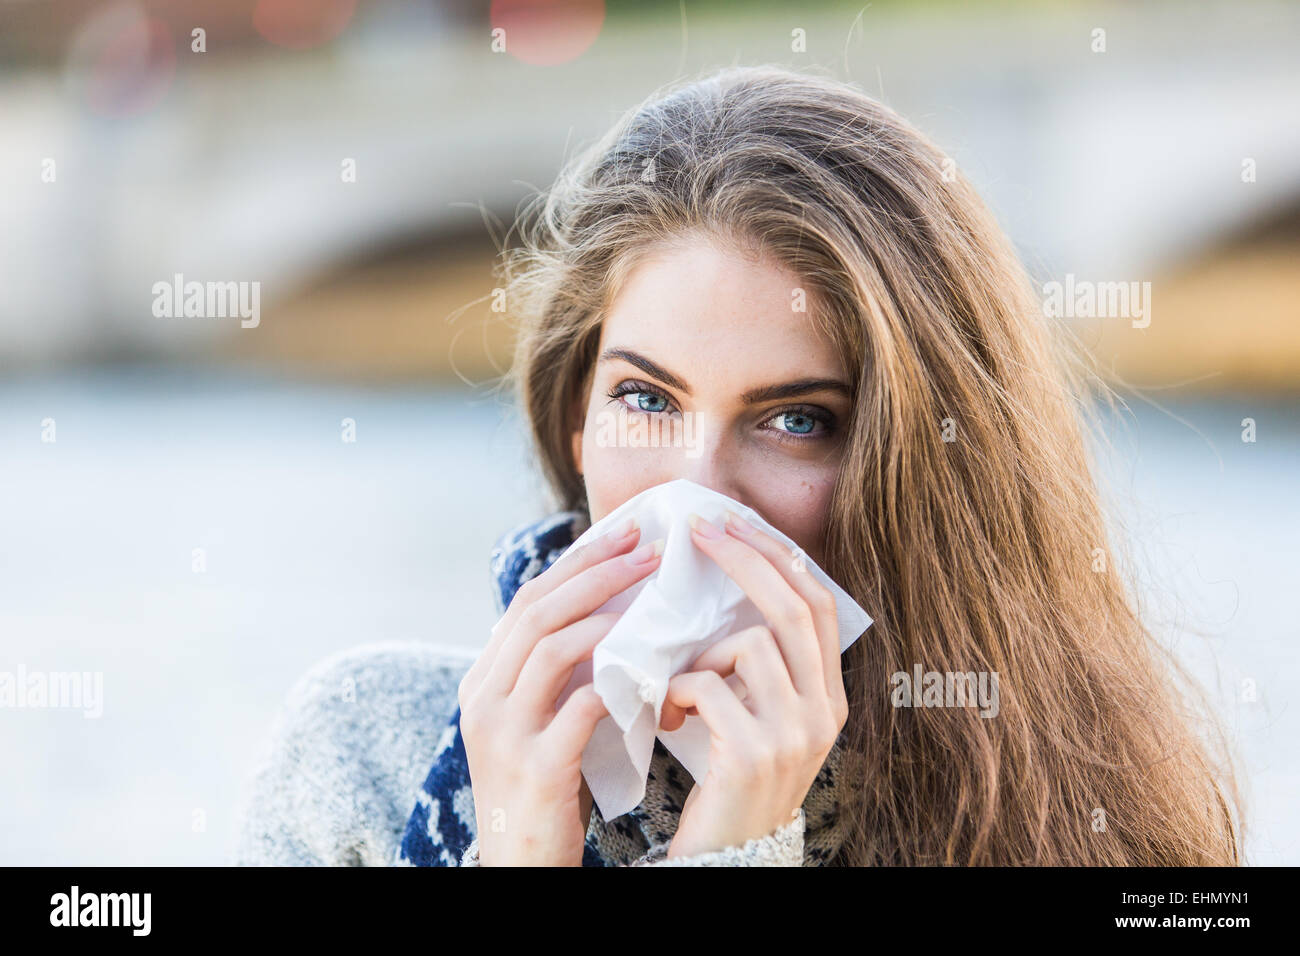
(646, 399)
(796, 423)
(792, 426)
(648, 402)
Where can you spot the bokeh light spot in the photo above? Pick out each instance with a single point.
(548, 32)
(302, 24)
(121, 61)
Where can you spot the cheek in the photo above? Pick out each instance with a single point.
(612, 475)
(799, 508)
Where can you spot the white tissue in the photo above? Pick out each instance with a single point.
(668, 619)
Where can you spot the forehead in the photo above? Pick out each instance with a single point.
(698, 306)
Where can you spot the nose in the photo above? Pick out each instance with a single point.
(712, 463)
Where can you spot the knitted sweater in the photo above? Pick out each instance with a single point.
(364, 765)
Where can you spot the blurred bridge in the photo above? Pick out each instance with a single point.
(1107, 164)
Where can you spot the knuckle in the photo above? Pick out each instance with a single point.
(578, 700)
(797, 617)
(469, 724)
(592, 702)
(531, 618)
(573, 706)
(822, 601)
(527, 592)
(841, 710)
(614, 575)
(548, 652)
(564, 566)
(826, 731)
(598, 577)
(840, 715)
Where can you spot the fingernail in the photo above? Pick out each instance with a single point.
(646, 553)
(739, 524)
(623, 530)
(706, 529)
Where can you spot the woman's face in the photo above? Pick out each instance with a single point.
(707, 371)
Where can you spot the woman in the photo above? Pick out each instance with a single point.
(785, 271)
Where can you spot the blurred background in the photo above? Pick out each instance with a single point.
(202, 508)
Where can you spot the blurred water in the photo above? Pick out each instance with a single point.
(1213, 524)
(313, 545)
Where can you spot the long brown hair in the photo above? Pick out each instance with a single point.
(965, 518)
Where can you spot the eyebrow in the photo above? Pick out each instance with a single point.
(763, 393)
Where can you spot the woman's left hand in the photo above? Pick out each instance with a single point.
(767, 748)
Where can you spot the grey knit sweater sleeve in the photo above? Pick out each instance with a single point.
(338, 775)
(336, 779)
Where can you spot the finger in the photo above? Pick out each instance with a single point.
(550, 666)
(671, 717)
(752, 655)
(585, 800)
(816, 595)
(789, 617)
(573, 600)
(573, 724)
(717, 704)
(572, 562)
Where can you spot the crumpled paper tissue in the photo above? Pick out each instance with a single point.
(668, 618)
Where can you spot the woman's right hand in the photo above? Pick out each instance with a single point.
(525, 757)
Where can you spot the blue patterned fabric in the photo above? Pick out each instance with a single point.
(440, 826)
